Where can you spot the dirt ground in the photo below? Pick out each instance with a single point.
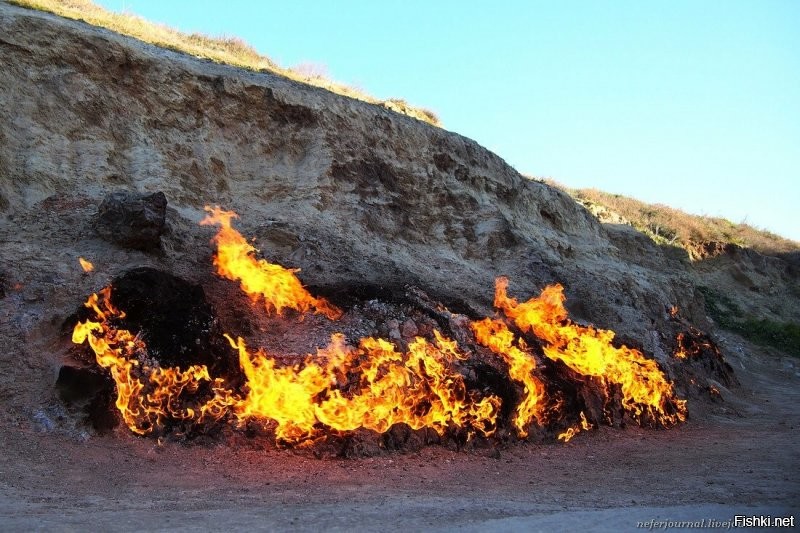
(740, 456)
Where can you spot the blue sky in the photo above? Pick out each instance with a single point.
(693, 104)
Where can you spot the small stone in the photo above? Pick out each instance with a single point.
(409, 329)
(31, 294)
(394, 329)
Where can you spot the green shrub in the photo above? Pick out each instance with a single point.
(784, 336)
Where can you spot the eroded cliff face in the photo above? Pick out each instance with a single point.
(352, 193)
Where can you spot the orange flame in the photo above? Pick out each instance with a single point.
(147, 395)
(416, 388)
(584, 425)
(681, 350)
(277, 286)
(692, 343)
(590, 352)
(86, 265)
(371, 384)
(495, 335)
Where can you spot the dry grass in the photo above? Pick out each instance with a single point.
(666, 225)
(228, 50)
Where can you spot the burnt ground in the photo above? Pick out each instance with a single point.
(739, 456)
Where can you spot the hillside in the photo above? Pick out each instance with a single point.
(726, 257)
(350, 192)
(398, 235)
(666, 225)
(227, 50)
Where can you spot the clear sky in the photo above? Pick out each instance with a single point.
(694, 104)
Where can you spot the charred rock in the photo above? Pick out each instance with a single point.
(132, 220)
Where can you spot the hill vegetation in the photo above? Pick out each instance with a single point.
(726, 313)
(227, 50)
(666, 225)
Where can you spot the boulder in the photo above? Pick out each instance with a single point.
(132, 220)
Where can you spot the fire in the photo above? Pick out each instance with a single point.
(372, 383)
(681, 352)
(584, 425)
(692, 344)
(647, 395)
(86, 265)
(147, 395)
(415, 388)
(495, 335)
(277, 286)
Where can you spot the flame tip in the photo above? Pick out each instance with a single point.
(86, 265)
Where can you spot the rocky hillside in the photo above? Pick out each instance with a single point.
(666, 225)
(227, 50)
(359, 197)
(749, 277)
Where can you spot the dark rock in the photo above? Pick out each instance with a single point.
(702, 362)
(173, 318)
(132, 220)
(487, 375)
(91, 391)
(75, 384)
(178, 328)
(102, 412)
